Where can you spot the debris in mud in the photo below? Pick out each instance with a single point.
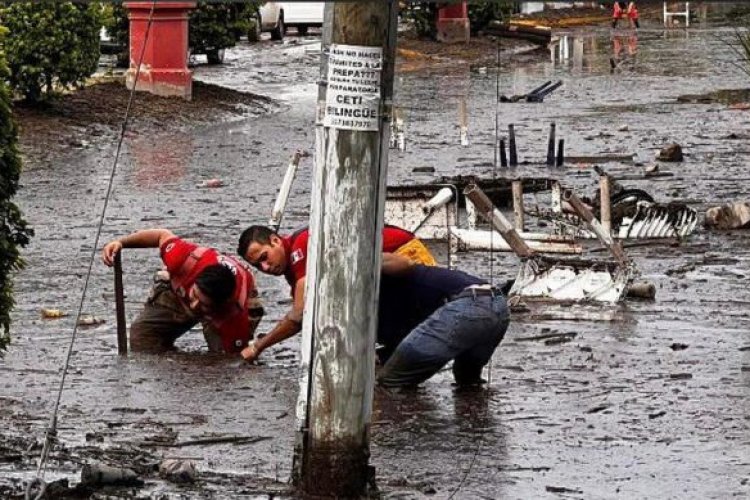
(643, 290)
(423, 170)
(730, 216)
(598, 408)
(549, 336)
(677, 346)
(680, 376)
(657, 414)
(89, 320)
(670, 153)
(53, 313)
(104, 475)
(178, 471)
(562, 489)
(210, 183)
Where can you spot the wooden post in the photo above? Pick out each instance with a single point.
(560, 152)
(122, 332)
(344, 251)
(605, 209)
(512, 145)
(551, 146)
(517, 188)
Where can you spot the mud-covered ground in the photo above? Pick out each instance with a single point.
(652, 405)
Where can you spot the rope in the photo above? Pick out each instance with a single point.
(51, 430)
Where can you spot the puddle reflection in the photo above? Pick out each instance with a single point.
(160, 160)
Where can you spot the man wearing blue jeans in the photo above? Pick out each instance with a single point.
(429, 316)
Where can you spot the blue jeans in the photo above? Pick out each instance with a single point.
(466, 330)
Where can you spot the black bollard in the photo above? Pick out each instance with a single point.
(503, 154)
(561, 152)
(512, 146)
(551, 145)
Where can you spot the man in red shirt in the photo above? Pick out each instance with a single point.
(278, 255)
(198, 284)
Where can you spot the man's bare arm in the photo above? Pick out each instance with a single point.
(147, 238)
(394, 264)
(289, 326)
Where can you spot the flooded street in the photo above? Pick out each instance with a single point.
(653, 405)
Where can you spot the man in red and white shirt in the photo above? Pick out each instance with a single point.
(279, 255)
(198, 285)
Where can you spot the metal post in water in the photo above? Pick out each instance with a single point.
(512, 145)
(518, 211)
(596, 227)
(605, 208)
(551, 145)
(122, 332)
(560, 153)
(286, 185)
(463, 119)
(344, 251)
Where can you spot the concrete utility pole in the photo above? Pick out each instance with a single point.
(344, 256)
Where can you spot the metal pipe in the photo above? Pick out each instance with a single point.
(595, 226)
(551, 145)
(286, 185)
(498, 222)
(472, 239)
(440, 199)
(560, 153)
(605, 208)
(463, 122)
(122, 333)
(518, 211)
(512, 145)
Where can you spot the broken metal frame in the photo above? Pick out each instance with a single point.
(558, 280)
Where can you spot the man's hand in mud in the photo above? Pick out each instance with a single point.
(109, 252)
(250, 353)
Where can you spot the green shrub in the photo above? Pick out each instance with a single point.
(423, 15)
(13, 230)
(50, 44)
(212, 29)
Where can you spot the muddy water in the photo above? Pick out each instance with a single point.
(623, 410)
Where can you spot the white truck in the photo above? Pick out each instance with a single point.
(276, 17)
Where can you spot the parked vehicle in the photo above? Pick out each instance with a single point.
(276, 17)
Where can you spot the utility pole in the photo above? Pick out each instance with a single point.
(344, 251)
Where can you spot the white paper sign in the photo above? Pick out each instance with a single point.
(353, 95)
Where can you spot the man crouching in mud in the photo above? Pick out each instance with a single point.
(198, 284)
(428, 316)
(278, 255)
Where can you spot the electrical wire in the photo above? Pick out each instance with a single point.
(51, 430)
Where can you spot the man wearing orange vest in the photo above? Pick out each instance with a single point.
(198, 284)
(278, 255)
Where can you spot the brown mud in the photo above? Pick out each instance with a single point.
(652, 404)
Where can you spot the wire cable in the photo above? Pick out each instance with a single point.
(51, 430)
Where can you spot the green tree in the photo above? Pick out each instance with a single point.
(423, 15)
(14, 232)
(212, 30)
(50, 44)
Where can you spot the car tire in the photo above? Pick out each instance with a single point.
(302, 30)
(253, 35)
(279, 31)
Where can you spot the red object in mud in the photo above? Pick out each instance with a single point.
(164, 68)
(453, 23)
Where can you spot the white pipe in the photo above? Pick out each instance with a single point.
(440, 199)
(492, 240)
(286, 185)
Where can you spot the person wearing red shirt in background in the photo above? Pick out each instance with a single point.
(618, 13)
(632, 13)
(198, 285)
(278, 255)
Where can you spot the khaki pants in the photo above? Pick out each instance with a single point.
(163, 320)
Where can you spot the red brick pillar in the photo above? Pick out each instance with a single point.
(164, 69)
(453, 23)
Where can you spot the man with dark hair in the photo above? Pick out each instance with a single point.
(278, 255)
(198, 284)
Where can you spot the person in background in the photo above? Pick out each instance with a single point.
(618, 13)
(632, 13)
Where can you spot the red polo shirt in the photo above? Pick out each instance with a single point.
(186, 260)
(295, 246)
